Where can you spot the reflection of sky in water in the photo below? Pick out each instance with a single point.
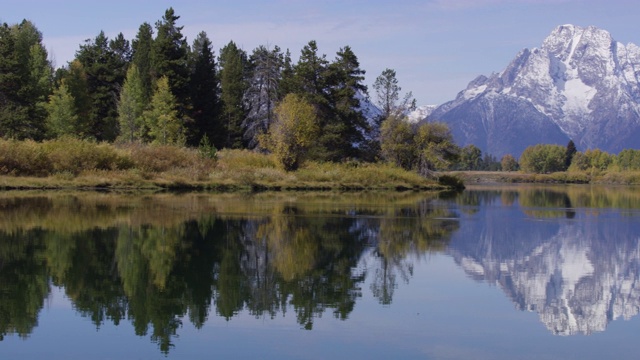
(441, 313)
(463, 303)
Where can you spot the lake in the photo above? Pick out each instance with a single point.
(508, 272)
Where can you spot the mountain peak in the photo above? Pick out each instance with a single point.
(580, 84)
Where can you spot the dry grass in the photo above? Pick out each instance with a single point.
(74, 163)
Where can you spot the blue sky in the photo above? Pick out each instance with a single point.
(435, 46)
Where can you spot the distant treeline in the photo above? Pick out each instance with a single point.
(549, 158)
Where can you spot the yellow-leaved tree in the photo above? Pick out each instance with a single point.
(292, 132)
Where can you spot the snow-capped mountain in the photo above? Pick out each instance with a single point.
(580, 85)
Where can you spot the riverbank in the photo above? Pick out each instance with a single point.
(78, 164)
(593, 177)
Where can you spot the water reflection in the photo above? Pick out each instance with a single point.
(157, 261)
(570, 254)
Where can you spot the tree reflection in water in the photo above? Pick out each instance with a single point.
(158, 260)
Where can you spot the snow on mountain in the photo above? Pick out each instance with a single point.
(420, 113)
(372, 113)
(368, 109)
(580, 85)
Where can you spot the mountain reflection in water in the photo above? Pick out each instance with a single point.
(570, 254)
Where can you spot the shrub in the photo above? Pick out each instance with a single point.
(23, 158)
(68, 154)
(451, 181)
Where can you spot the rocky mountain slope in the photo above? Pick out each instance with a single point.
(580, 85)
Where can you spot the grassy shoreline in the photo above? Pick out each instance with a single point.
(591, 177)
(78, 164)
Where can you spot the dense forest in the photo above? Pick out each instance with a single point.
(158, 88)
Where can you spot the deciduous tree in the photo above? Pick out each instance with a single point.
(397, 142)
(162, 118)
(435, 147)
(509, 163)
(62, 118)
(131, 107)
(294, 130)
(543, 158)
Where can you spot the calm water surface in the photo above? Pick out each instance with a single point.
(517, 272)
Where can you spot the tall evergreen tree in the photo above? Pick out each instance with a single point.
(25, 81)
(310, 81)
(310, 73)
(12, 113)
(570, 152)
(106, 71)
(233, 84)
(204, 92)
(387, 92)
(162, 118)
(169, 57)
(141, 57)
(131, 107)
(287, 79)
(262, 94)
(75, 78)
(344, 131)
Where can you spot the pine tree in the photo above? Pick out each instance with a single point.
(40, 82)
(387, 92)
(25, 81)
(12, 114)
(169, 57)
(344, 131)
(62, 118)
(105, 70)
(233, 84)
(310, 81)
(141, 57)
(204, 92)
(131, 107)
(287, 79)
(571, 151)
(162, 118)
(262, 93)
(75, 78)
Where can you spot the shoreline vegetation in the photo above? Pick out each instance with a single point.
(593, 177)
(70, 163)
